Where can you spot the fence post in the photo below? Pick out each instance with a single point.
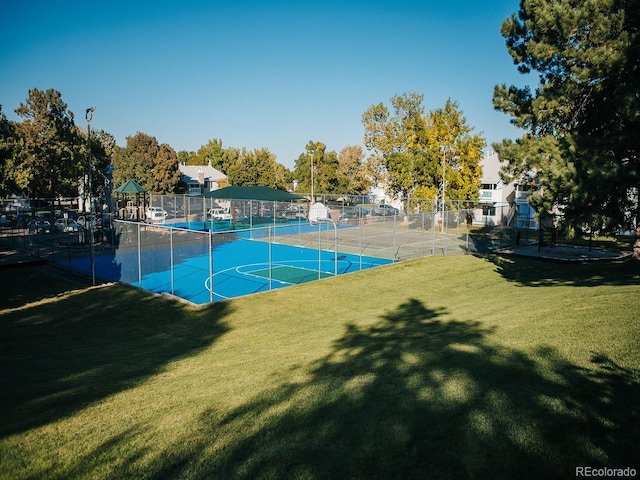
(360, 235)
(319, 249)
(171, 256)
(270, 261)
(466, 224)
(422, 233)
(445, 221)
(139, 258)
(395, 253)
(433, 229)
(211, 298)
(251, 219)
(113, 250)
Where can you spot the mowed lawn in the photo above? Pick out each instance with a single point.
(446, 367)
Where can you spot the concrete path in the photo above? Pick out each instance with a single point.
(564, 253)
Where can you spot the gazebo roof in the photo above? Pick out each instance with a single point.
(130, 186)
(251, 193)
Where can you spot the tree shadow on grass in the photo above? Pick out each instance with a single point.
(537, 272)
(68, 352)
(415, 396)
(23, 285)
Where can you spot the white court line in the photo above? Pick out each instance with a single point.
(237, 269)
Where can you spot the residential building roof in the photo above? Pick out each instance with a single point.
(192, 173)
(491, 168)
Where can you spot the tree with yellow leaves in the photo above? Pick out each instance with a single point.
(421, 152)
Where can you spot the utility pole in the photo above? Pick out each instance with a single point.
(444, 149)
(92, 258)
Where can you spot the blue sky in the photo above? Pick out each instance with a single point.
(273, 74)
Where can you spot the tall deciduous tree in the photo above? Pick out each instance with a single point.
(214, 154)
(352, 174)
(229, 157)
(135, 160)
(165, 173)
(582, 120)
(186, 157)
(153, 166)
(325, 169)
(51, 157)
(284, 178)
(8, 145)
(256, 167)
(398, 140)
(413, 147)
(458, 149)
(211, 154)
(103, 145)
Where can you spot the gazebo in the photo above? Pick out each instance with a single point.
(130, 210)
(247, 195)
(252, 193)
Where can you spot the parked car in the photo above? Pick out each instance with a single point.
(21, 220)
(350, 216)
(174, 212)
(363, 212)
(219, 214)
(384, 210)
(67, 225)
(64, 213)
(85, 220)
(156, 214)
(47, 217)
(39, 227)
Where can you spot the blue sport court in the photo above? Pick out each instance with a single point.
(206, 268)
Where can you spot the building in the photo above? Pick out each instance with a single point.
(201, 178)
(524, 215)
(493, 206)
(502, 204)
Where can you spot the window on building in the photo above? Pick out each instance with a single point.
(194, 188)
(489, 211)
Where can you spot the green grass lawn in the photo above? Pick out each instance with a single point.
(445, 367)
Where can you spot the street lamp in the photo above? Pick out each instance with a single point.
(92, 260)
(444, 149)
(312, 178)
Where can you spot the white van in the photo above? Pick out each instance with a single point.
(156, 214)
(219, 214)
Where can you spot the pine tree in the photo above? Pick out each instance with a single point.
(50, 160)
(582, 119)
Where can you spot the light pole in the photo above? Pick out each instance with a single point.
(92, 260)
(312, 178)
(109, 192)
(444, 149)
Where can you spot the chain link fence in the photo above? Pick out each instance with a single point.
(134, 252)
